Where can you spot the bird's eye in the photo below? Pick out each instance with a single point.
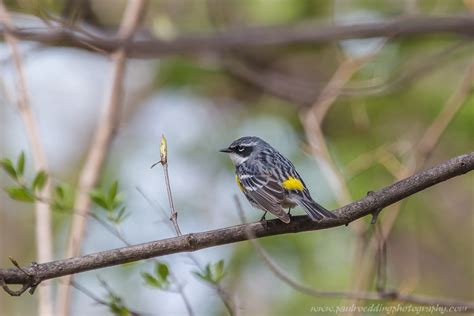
(240, 148)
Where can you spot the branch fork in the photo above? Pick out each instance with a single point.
(32, 280)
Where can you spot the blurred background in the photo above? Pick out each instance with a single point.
(353, 115)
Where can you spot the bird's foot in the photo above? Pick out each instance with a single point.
(289, 213)
(263, 220)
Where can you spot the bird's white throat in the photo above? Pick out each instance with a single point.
(236, 159)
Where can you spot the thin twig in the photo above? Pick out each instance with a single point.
(88, 293)
(337, 82)
(378, 296)
(381, 260)
(43, 228)
(433, 133)
(414, 71)
(184, 297)
(312, 122)
(225, 297)
(102, 139)
(164, 163)
(300, 92)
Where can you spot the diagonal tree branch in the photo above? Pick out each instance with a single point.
(196, 241)
(392, 295)
(303, 33)
(100, 144)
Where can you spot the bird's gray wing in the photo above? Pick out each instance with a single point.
(267, 192)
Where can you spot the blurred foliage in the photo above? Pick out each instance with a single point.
(212, 273)
(110, 201)
(159, 278)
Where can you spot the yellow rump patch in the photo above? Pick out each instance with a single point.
(292, 184)
(239, 184)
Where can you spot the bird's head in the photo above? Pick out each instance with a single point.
(243, 148)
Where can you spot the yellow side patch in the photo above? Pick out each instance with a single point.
(238, 183)
(292, 184)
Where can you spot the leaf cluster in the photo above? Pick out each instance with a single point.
(159, 278)
(111, 202)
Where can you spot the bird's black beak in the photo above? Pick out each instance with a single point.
(226, 150)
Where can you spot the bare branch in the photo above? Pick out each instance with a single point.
(106, 129)
(196, 241)
(43, 229)
(303, 33)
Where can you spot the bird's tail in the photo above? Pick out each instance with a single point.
(315, 211)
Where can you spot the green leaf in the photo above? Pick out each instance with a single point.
(208, 272)
(63, 198)
(203, 277)
(121, 216)
(7, 165)
(117, 307)
(219, 271)
(59, 192)
(20, 166)
(113, 191)
(161, 270)
(212, 273)
(119, 198)
(98, 197)
(151, 280)
(20, 194)
(39, 181)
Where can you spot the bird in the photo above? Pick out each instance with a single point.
(270, 181)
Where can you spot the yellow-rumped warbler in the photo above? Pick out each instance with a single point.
(270, 181)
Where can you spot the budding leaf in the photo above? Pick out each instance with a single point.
(113, 191)
(59, 192)
(117, 307)
(203, 277)
(39, 181)
(151, 280)
(212, 273)
(219, 270)
(20, 194)
(163, 150)
(98, 197)
(63, 198)
(162, 271)
(20, 165)
(7, 165)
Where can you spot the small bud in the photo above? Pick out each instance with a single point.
(163, 150)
